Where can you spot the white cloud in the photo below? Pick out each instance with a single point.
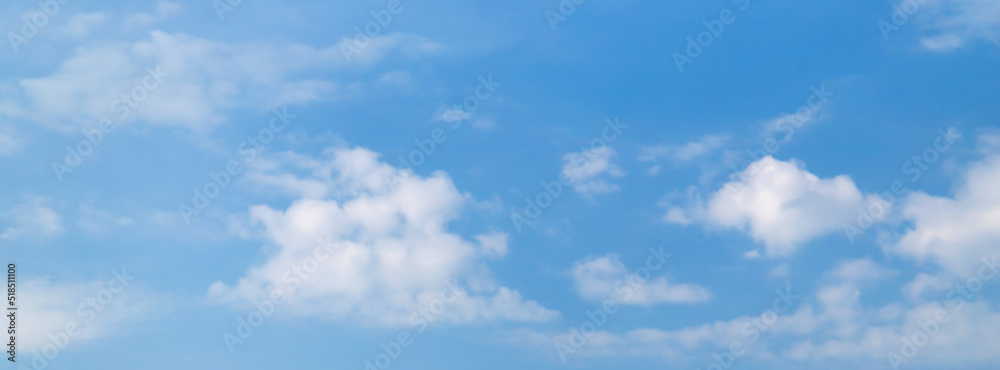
(590, 171)
(955, 232)
(777, 203)
(94, 309)
(388, 247)
(956, 331)
(942, 43)
(966, 338)
(958, 22)
(832, 328)
(686, 347)
(602, 278)
(202, 80)
(32, 220)
(788, 123)
(683, 153)
(493, 245)
(923, 284)
(988, 141)
(453, 115)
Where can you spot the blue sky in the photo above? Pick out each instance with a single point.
(534, 185)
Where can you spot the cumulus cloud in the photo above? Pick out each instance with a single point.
(591, 170)
(363, 244)
(955, 232)
(603, 278)
(777, 203)
(197, 80)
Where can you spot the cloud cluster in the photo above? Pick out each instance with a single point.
(357, 245)
(831, 325)
(199, 80)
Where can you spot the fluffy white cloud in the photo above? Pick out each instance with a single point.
(966, 338)
(954, 329)
(362, 243)
(602, 278)
(590, 171)
(180, 80)
(955, 232)
(779, 204)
